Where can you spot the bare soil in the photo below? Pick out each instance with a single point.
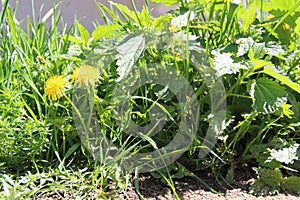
(189, 188)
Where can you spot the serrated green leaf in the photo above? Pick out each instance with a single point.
(129, 51)
(224, 64)
(292, 183)
(84, 33)
(146, 18)
(274, 50)
(286, 111)
(270, 177)
(247, 16)
(161, 21)
(281, 5)
(267, 94)
(259, 50)
(283, 79)
(167, 2)
(105, 30)
(244, 45)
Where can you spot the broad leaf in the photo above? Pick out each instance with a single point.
(182, 20)
(224, 64)
(270, 177)
(292, 183)
(274, 50)
(259, 50)
(267, 95)
(286, 111)
(247, 16)
(244, 45)
(84, 33)
(129, 51)
(285, 155)
(105, 30)
(285, 5)
(283, 79)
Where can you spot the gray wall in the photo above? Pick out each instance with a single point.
(84, 10)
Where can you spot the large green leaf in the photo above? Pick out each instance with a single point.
(292, 183)
(267, 95)
(84, 33)
(129, 51)
(285, 155)
(105, 30)
(283, 79)
(247, 16)
(270, 177)
(224, 64)
(282, 5)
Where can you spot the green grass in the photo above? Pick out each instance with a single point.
(44, 150)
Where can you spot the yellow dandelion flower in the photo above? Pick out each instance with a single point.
(75, 74)
(54, 86)
(85, 76)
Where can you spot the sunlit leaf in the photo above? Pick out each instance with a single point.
(267, 95)
(182, 20)
(84, 33)
(124, 9)
(167, 2)
(129, 51)
(258, 63)
(224, 64)
(105, 30)
(247, 16)
(286, 111)
(281, 5)
(244, 45)
(283, 79)
(286, 155)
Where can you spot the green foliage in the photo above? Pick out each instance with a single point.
(255, 57)
(167, 2)
(266, 94)
(129, 52)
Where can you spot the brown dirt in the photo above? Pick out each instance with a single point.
(190, 189)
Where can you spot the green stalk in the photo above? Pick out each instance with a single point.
(136, 12)
(4, 6)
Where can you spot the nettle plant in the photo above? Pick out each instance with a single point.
(253, 48)
(258, 59)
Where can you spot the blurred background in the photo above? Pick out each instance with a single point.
(85, 11)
